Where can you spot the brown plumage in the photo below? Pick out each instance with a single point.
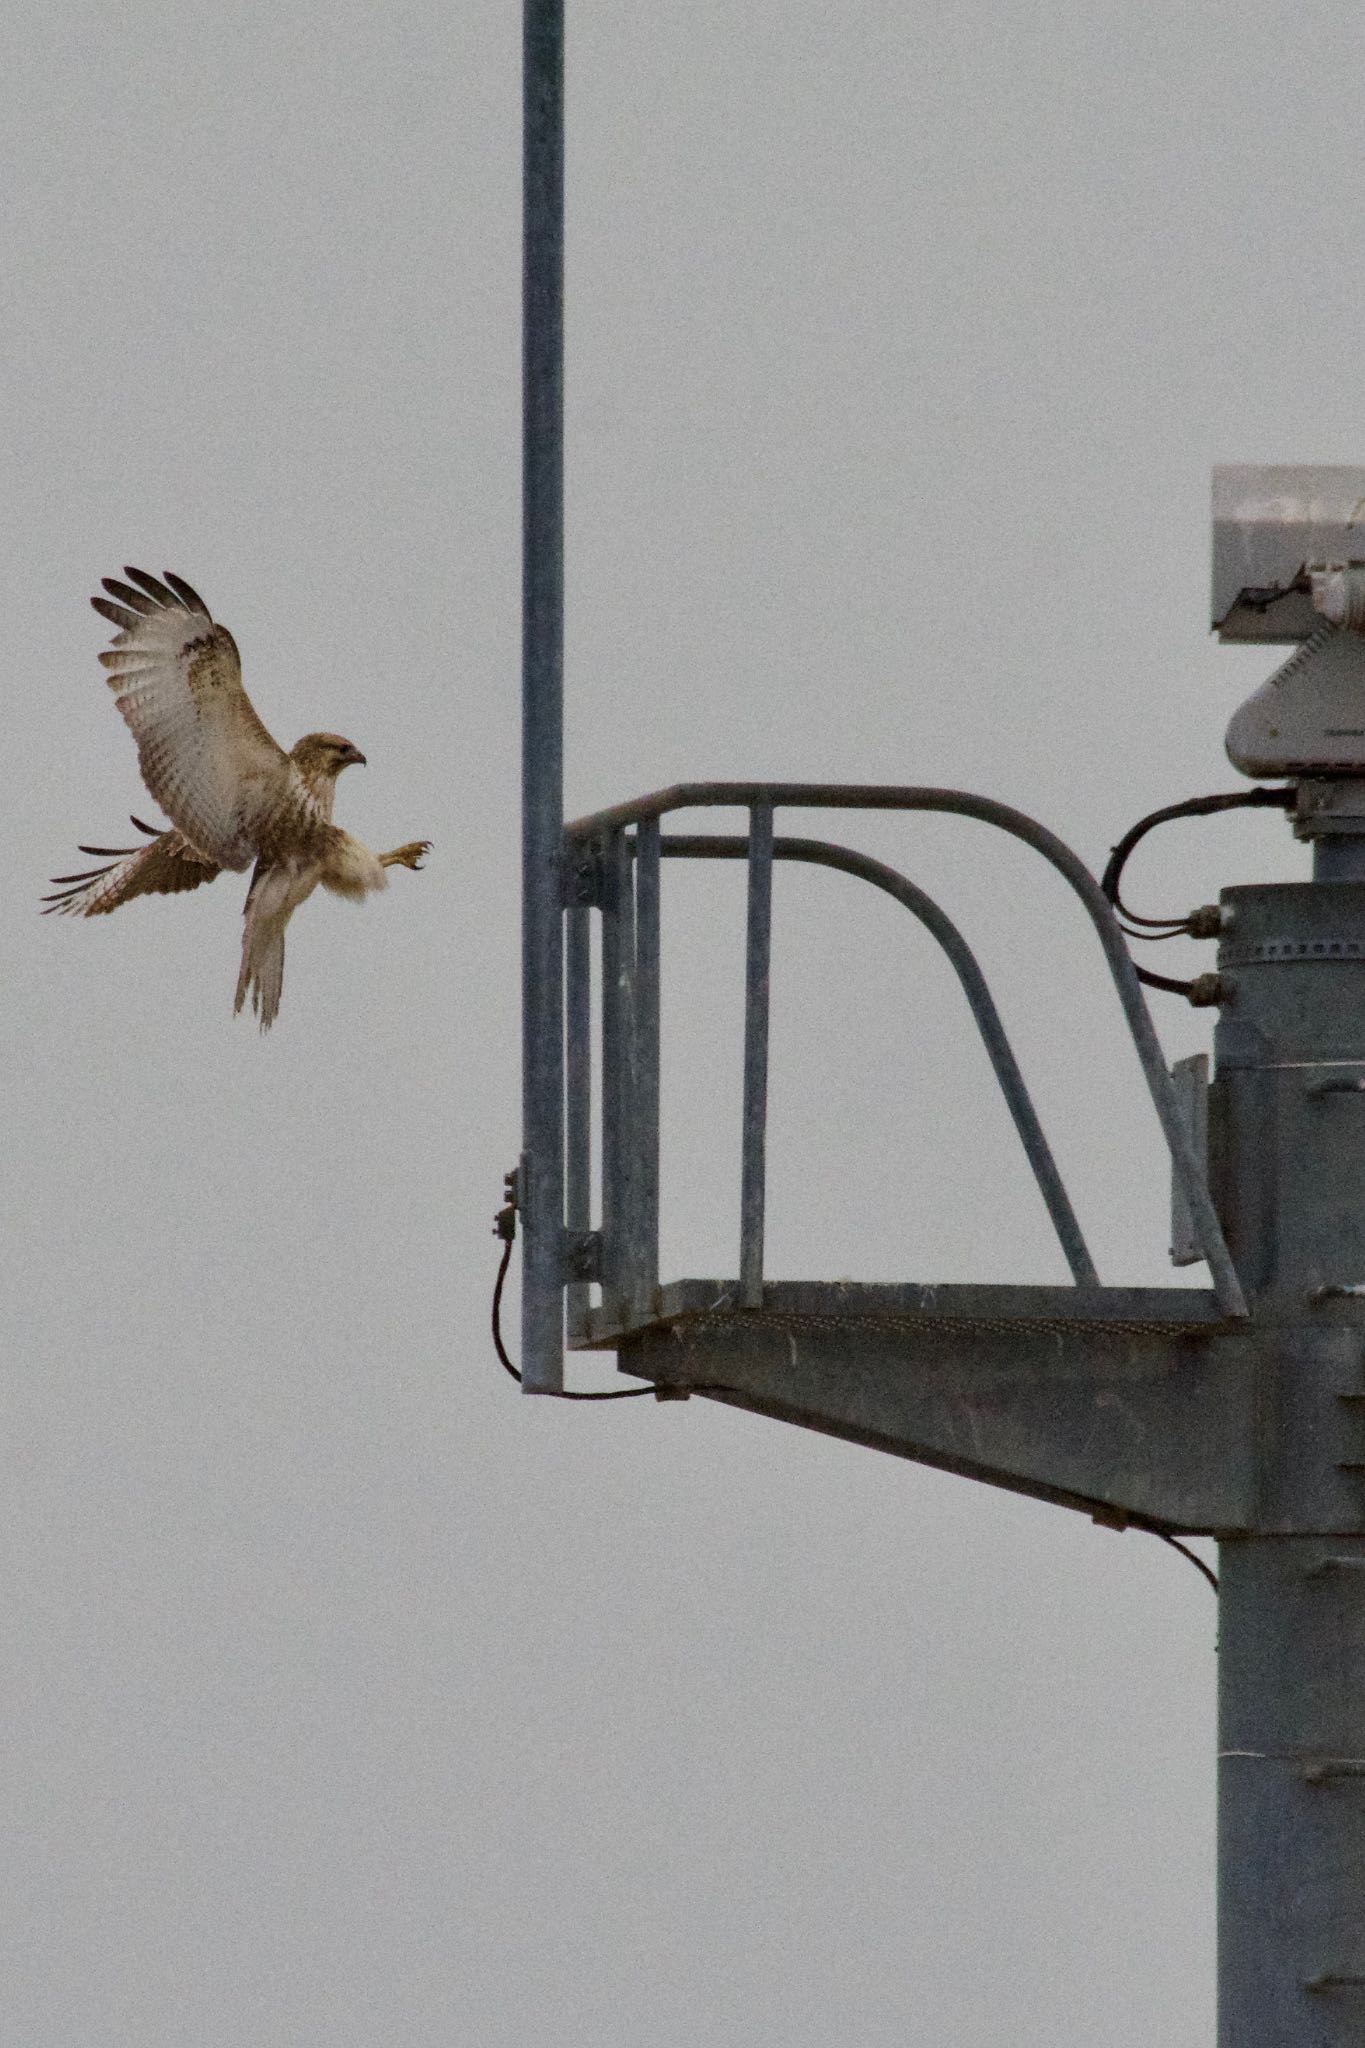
(233, 795)
(163, 866)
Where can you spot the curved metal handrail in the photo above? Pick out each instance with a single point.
(822, 853)
(962, 803)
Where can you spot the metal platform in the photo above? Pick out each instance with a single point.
(610, 874)
(1098, 1399)
(986, 1380)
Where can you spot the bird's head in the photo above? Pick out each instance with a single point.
(321, 756)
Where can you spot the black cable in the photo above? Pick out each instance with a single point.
(1192, 807)
(498, 1286)
(1261, 797)
(1175, 931)
(1260, 600)
(1166, 981)
(1185, 1551)
(506, 1227)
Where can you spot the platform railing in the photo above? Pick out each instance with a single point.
(614, 861)
(822, 853)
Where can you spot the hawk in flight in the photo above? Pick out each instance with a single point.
(233, 795)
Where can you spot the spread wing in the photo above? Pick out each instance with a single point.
(163, 867)
(204, 754)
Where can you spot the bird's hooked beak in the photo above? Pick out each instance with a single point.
(353, 758)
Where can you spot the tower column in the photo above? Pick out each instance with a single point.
(1287, 1134)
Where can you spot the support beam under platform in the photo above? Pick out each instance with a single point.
(1106, 1400)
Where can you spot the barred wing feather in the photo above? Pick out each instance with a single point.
(204, 754)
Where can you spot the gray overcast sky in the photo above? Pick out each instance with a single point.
(349, 1698)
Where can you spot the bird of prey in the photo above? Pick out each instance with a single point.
(233, 795)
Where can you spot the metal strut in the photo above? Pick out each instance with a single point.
(542, 1177)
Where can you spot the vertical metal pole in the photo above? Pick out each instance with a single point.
(1287, 1118)
(578, 1147)
(646, 1261)
(542, 1175)
(1291, 1793)
(758, 950)
(618, 1075)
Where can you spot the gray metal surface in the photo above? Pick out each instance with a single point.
(757, 960)
(1289, 1164)
(620, 1220)
(645, 1264)
(1331, 814)
(1184, 1312)
(1190, 1078)
(1105, 1401)
(578, 1106)
(1309, 718)
(1291, 1793)
(709, 846)
(1269, 522)
(541, 1189)
(1289, 1173)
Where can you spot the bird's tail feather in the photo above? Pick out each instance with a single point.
(262, 975)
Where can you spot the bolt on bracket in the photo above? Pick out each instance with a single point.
(583, 1255)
